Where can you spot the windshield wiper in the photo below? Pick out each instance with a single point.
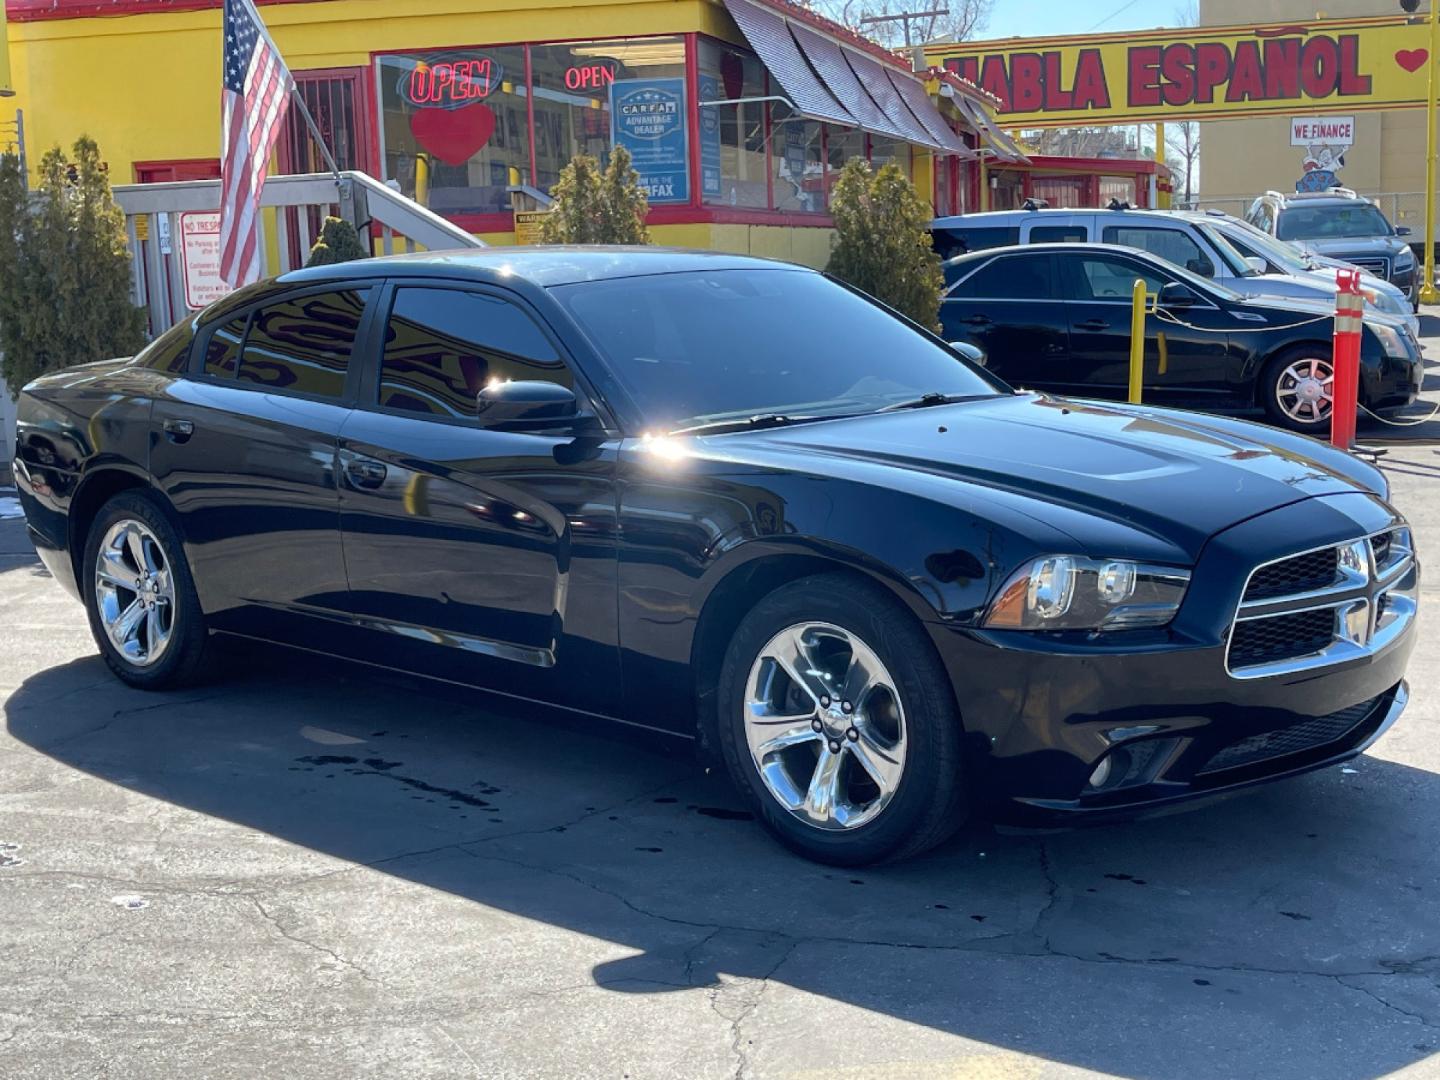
(747, 423)
(925, 401)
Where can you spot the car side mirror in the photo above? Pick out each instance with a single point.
(1402, 230)
(1175, 295)
(973, 353)
(1259, 265)
(526, 404)
(1203, 267)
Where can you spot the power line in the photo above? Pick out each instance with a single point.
(1118, 11)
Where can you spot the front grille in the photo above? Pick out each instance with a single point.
(1381, 546)
(1378, 267)
(1302, 573)
(1283, 637)
(1295, 739)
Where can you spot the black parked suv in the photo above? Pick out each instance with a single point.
(1341, 225)
(1056, 317)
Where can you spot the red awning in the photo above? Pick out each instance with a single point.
(768, 36)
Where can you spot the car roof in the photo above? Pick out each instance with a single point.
(1072, 249)
(542, 266)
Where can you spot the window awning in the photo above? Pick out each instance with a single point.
(768, 36)
(827, 80)
(1003, 146)
(878, 85)
(914, 96)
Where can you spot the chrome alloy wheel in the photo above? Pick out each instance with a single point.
(1305, 391)
(134, 592)
(825, 726)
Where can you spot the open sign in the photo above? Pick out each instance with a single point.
(589, 76)
(450, 82)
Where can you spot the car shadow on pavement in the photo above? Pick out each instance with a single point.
(1294, 932)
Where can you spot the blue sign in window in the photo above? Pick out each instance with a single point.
(710, 137)
(647, 117)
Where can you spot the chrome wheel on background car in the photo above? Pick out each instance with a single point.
(134, 592)
(1305, 391)
(825, 726)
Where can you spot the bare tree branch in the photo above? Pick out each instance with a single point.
(965, 19)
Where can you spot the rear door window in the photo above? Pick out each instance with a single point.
(222, 350)
(1014, 277)
(963, 239)
(303, 344)
(442, 346)
(1105, 277)
(1058, 234)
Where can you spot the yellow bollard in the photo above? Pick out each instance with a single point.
(1137, 339)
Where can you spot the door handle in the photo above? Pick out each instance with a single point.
(364, 473)
(179, 431)
(1092, 324)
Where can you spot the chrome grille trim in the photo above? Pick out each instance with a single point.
(1386, 611)
(1380, 267)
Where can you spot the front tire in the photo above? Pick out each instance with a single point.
(1298, 389)
(838, 723)
(139, 595)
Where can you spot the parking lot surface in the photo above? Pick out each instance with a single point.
(305, 870)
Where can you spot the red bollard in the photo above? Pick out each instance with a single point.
(1345, 389)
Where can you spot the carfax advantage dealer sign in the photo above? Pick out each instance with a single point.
(1322, 65)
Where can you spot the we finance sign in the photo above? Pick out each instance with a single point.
(1197, 72)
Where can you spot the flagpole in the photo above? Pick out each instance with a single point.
(295, 94)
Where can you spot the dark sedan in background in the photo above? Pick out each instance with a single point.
(1057, 317)
(739, 502)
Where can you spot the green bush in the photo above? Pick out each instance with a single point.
(882, 241)
(65, 284)
(597, 206)
(338, 242)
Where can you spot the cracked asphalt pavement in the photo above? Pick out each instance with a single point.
(306, 870)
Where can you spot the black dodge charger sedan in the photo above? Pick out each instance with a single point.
(735, 500)
(1057, 317)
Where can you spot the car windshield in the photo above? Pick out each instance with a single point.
(1331, 222)
(1247, 237)
(708, 345)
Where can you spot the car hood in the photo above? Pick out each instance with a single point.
(1090, 469)
(1357, 247)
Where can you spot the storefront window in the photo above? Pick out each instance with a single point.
(454, 127)
(732, 148)
(886, 151)
(574, 85)
(796, 161)
(842, 144)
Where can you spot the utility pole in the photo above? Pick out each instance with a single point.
(906, 17)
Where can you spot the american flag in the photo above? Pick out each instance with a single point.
(254, 86)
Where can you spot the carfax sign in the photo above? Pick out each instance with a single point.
(1320, 66)
(647, 117)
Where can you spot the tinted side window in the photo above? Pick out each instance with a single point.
(1172, 245)
(1101, 277)
(171, 350)
(963, 239)
(1058, 234)
(304, 343)
(443, 345)
(1018, 277)
(222, 351)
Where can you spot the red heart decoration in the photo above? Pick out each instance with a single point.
(1412, 59)
(453, 135)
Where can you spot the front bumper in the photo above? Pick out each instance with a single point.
(1041, 714)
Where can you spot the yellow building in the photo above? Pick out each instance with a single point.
(738, 113)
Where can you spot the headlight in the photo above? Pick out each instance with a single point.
(1389, 338)
(1068, 592)
(1405, 257)
(1386, 301)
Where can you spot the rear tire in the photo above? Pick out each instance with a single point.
(881, 778)
(1297, 389)
(144, 612)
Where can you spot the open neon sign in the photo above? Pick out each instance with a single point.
(589, 76)
(451, 83)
